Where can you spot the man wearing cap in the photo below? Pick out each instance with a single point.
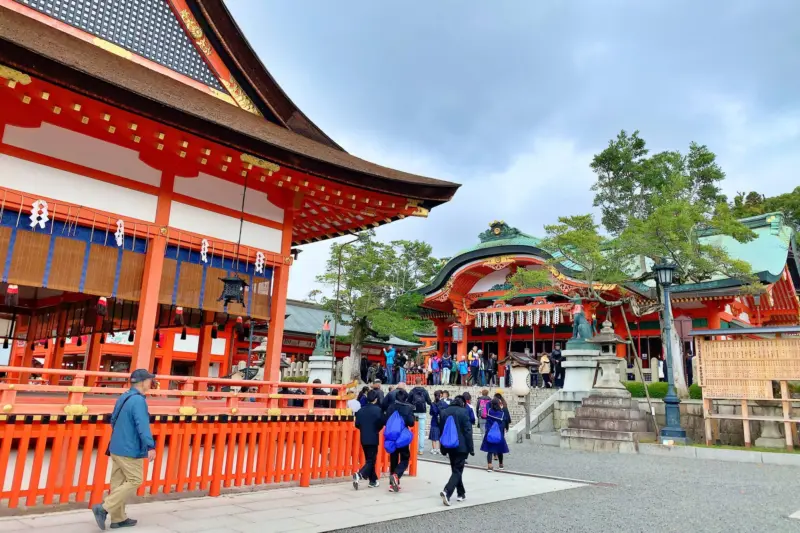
(131, 441)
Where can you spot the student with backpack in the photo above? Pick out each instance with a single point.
(397, 436)
(369, 421)
(494, 439)
(420, 400)
(483, 408)
(435, 432)
(456, 444)
(436, 369)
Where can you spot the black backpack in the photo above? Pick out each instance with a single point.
(418, 399)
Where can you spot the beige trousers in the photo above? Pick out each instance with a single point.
(126, 477)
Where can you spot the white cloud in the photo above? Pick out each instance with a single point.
(550, 178)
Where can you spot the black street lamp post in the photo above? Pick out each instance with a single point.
(665, 273)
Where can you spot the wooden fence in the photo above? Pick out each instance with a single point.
(205, 441)
(749, 370)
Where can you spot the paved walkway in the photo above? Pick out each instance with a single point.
(317, 508)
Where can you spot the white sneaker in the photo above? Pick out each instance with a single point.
(461, 498)
(374, 485)
(445, 499)
(356, 479)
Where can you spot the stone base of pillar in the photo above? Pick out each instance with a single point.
(321, 367)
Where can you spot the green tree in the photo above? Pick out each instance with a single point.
(374, 280)
(654, 208)
(753, 203)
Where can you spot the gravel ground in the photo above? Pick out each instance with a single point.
(639, 493)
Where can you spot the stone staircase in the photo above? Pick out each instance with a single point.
(605, 423)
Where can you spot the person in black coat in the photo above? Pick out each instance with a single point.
(398, 460)
(457, 455)
(321, 404)
(369, 421)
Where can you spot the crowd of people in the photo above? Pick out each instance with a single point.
(450, 432)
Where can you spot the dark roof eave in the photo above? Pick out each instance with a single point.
(30, 58)
(483, 253)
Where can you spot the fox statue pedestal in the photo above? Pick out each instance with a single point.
(580, 363)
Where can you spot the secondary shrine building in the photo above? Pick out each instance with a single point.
(465, 298)
(147, 154)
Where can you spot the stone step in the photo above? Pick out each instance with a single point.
(622, 436)
(598, 445)
(585, 411)
(607, 401)
(608, 424)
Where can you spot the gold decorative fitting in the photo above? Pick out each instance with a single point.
(76, 388)
(239, 96)
(260, 163)
(133, 126)
(11, 387)
(184, 144)
(75, 409)
(159, 146)
(228, 159)
(234, 410)
(136, 138)
(244, 173)
(274, 411)
(288, 259)
(311, 411)
(14, 76)
(106, 117)
(160, 136)
(183, 154)
(187, 411)
(262, 178)
(280, 183)
(189, 393)
(420, 212)
(76, 107)
(26, 99)
(56, 110)
(203, 161)
(85, 120)
(206, 151)
(224, 167)
(111, 47)
(191, 24)
(111, 129)
(45, 95)
(7, 408)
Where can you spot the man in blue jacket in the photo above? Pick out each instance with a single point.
(131, 441)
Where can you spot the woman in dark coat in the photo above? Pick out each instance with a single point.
(495, 416)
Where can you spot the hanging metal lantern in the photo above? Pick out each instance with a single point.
(12, 296)
(179, 316)
(233, 290)
(102, 306)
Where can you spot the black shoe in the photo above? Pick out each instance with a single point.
(100, 515)
(128, 522)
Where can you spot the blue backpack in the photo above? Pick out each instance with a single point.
(394, 427)
(435, 365)
(495, 435)
(404, 439)
(449, 438)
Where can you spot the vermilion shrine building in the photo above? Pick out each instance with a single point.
(465, 296)
(146, 153)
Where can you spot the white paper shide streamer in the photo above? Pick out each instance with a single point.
(260, 262)
(119, 235)
(39, 215)
(204, 250)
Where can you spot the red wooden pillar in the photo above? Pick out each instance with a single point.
(165, 367)
(277, 308)
(440, 330)
(204, 348)
(56, 361)
(619, 329)
(95, 351)
(502, 350)
(30, 338)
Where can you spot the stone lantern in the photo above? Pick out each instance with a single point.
(520, 370)
(608, 378)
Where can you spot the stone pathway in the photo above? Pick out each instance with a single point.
(318, 508)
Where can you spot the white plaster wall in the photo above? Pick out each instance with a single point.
(192, 343)
(226, 194)
(196, 220)
(82, 150)
(40, 180)
(490, 280)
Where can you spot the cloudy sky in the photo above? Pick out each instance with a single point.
(512, 98)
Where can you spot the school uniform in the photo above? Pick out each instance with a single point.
(457, 455)
(369, 421)
(499, 448)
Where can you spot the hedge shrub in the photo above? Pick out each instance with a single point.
(658, 390)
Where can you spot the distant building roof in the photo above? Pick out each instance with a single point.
(306, 318)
